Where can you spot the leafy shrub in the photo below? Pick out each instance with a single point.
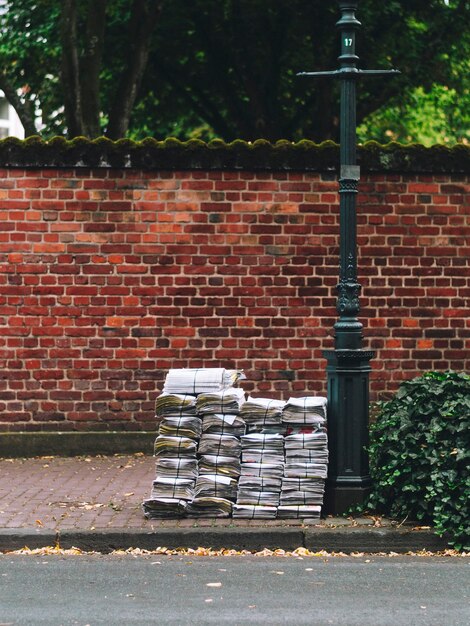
(420, 454)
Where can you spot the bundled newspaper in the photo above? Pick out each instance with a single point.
(223, 424)
(200, 380)
(256, 497)
(254, 511)
(315, 441)
(264, 470)
(155, 508)
(306, 458)
(263, 415)
(305, 490)
(262, 465)
(226, 401)
(219, 450)
(166, 487)
(302, 469)
(260, 483)
(307, 455)
(176, 467)
(262, 456)
(216, 464)
(298, 511)
(226, 445)
(209, 507)
(215, 485)
(174, 404)
(306, 410)
(272, 443)
(185, 426)
(174, 446)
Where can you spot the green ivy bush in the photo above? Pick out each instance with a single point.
(420, 455)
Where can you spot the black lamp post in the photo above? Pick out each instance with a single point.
(348, 364)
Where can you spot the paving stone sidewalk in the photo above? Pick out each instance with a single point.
(77, 492)
(97, 499)
(91, 492)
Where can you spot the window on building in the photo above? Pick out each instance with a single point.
(4, 109)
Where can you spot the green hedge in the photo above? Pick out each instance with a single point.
(173, 154)
(420, 455)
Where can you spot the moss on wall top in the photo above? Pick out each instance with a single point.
(173, 154)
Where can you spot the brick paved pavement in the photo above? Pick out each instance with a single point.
(89, 493)
(76, 492)
(94, 502)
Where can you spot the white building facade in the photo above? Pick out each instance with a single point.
(10, 125)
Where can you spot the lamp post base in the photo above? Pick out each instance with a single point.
(348, 481)
(340, 499)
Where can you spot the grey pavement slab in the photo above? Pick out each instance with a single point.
(94, 503)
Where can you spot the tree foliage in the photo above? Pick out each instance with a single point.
(227, 68)
(55, 62)
(420, 453)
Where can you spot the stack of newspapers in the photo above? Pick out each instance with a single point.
(263, 415)
(201, 380)
(219, 469)
(306, 458)
(262, 462)
(219, 452)
(175, 451)
(183, 485)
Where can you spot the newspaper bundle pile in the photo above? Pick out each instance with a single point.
(175, 450)
(306, 458)
(262, 461)
(263, 415)
(223, 424)
(219, 452)
(178, 488)
(218, 455)
(201, 380)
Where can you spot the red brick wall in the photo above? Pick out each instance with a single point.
(109, 277)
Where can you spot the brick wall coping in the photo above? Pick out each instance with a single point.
(172, 154)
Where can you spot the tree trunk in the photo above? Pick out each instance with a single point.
(70, 77)
(142, 23)
(24, 109)
(90, 67)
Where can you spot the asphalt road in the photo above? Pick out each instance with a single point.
(233, 590)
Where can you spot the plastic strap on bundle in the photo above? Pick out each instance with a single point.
(194, 380)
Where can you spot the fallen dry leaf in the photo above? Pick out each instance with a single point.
(88, 507)
(239, 553)
(50, 550)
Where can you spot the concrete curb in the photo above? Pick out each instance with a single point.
(238, 538)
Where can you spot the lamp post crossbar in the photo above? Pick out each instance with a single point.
(348, 365)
